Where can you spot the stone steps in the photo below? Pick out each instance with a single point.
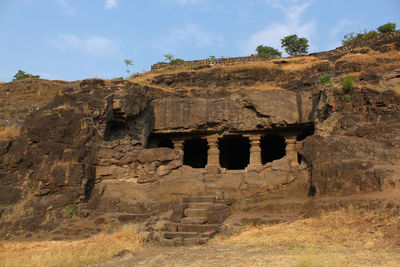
(195, 220)
(204, 205)
(199, 199)
(170, 235)
(196, 212)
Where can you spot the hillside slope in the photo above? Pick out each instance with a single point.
(53, 135)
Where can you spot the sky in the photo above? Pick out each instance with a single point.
(78, 39)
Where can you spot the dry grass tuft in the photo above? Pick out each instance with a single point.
(97, 249)
(10, 131)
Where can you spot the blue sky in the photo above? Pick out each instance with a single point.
(77, 39)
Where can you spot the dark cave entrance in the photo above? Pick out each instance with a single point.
(195, 153)
(165, 143)
(115, 130)
(234, 152)
(272, 147)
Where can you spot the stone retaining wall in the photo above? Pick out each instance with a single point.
(215, 61)
(254, 58)
(348, 48)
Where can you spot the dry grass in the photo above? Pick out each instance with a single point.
(10, 131)
(340, 238)
(373, 58)
(96, 249)
(294, 64)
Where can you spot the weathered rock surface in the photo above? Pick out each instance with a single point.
(84, 144)
(254, 110)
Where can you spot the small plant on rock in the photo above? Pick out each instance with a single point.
(172, 60)
(176, 61)
(347, 83)
(324, 80)
(69, 210)
(128, 62)
(168, 57)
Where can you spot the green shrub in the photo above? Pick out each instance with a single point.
(23, 75)
(370, 35)
(347, 84)
(348, 98)
(69, 210)
(294, 45)
(325, 79)
(388, 27)
(176, 61)
(168, 57)
(267, 51)
(352, 38)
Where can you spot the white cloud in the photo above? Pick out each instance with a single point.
(49, 76)
(183, 2)
(91, 45)
(190, 34)
(272, 35)
(341, 25)
(111, 4)
(66, 7)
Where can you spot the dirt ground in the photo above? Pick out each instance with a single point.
(346, 237)
(222, 255)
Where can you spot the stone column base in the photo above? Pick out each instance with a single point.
(213, 169)
(254, 167)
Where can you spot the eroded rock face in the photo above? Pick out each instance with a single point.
(357, 145)
(86, 144)
(254, 110)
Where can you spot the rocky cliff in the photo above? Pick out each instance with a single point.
(84, 144)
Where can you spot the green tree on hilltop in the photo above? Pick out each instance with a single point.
(294, 45)
(268, 51)
(388, 27)
(23, 75)
(128, 62)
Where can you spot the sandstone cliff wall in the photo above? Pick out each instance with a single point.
(256, 110)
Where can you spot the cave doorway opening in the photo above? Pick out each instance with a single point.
(165, 143)
(195, 153)
(234, 152)
(273, 147)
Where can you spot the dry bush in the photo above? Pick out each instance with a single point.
(94, 250)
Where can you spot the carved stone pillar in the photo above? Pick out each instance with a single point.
(178, 145)
(213, 155)
(291, 150)
(255, 162)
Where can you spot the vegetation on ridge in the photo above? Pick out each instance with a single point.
(268, 51)
(293, 45)
(353, 38)
(23, 75)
